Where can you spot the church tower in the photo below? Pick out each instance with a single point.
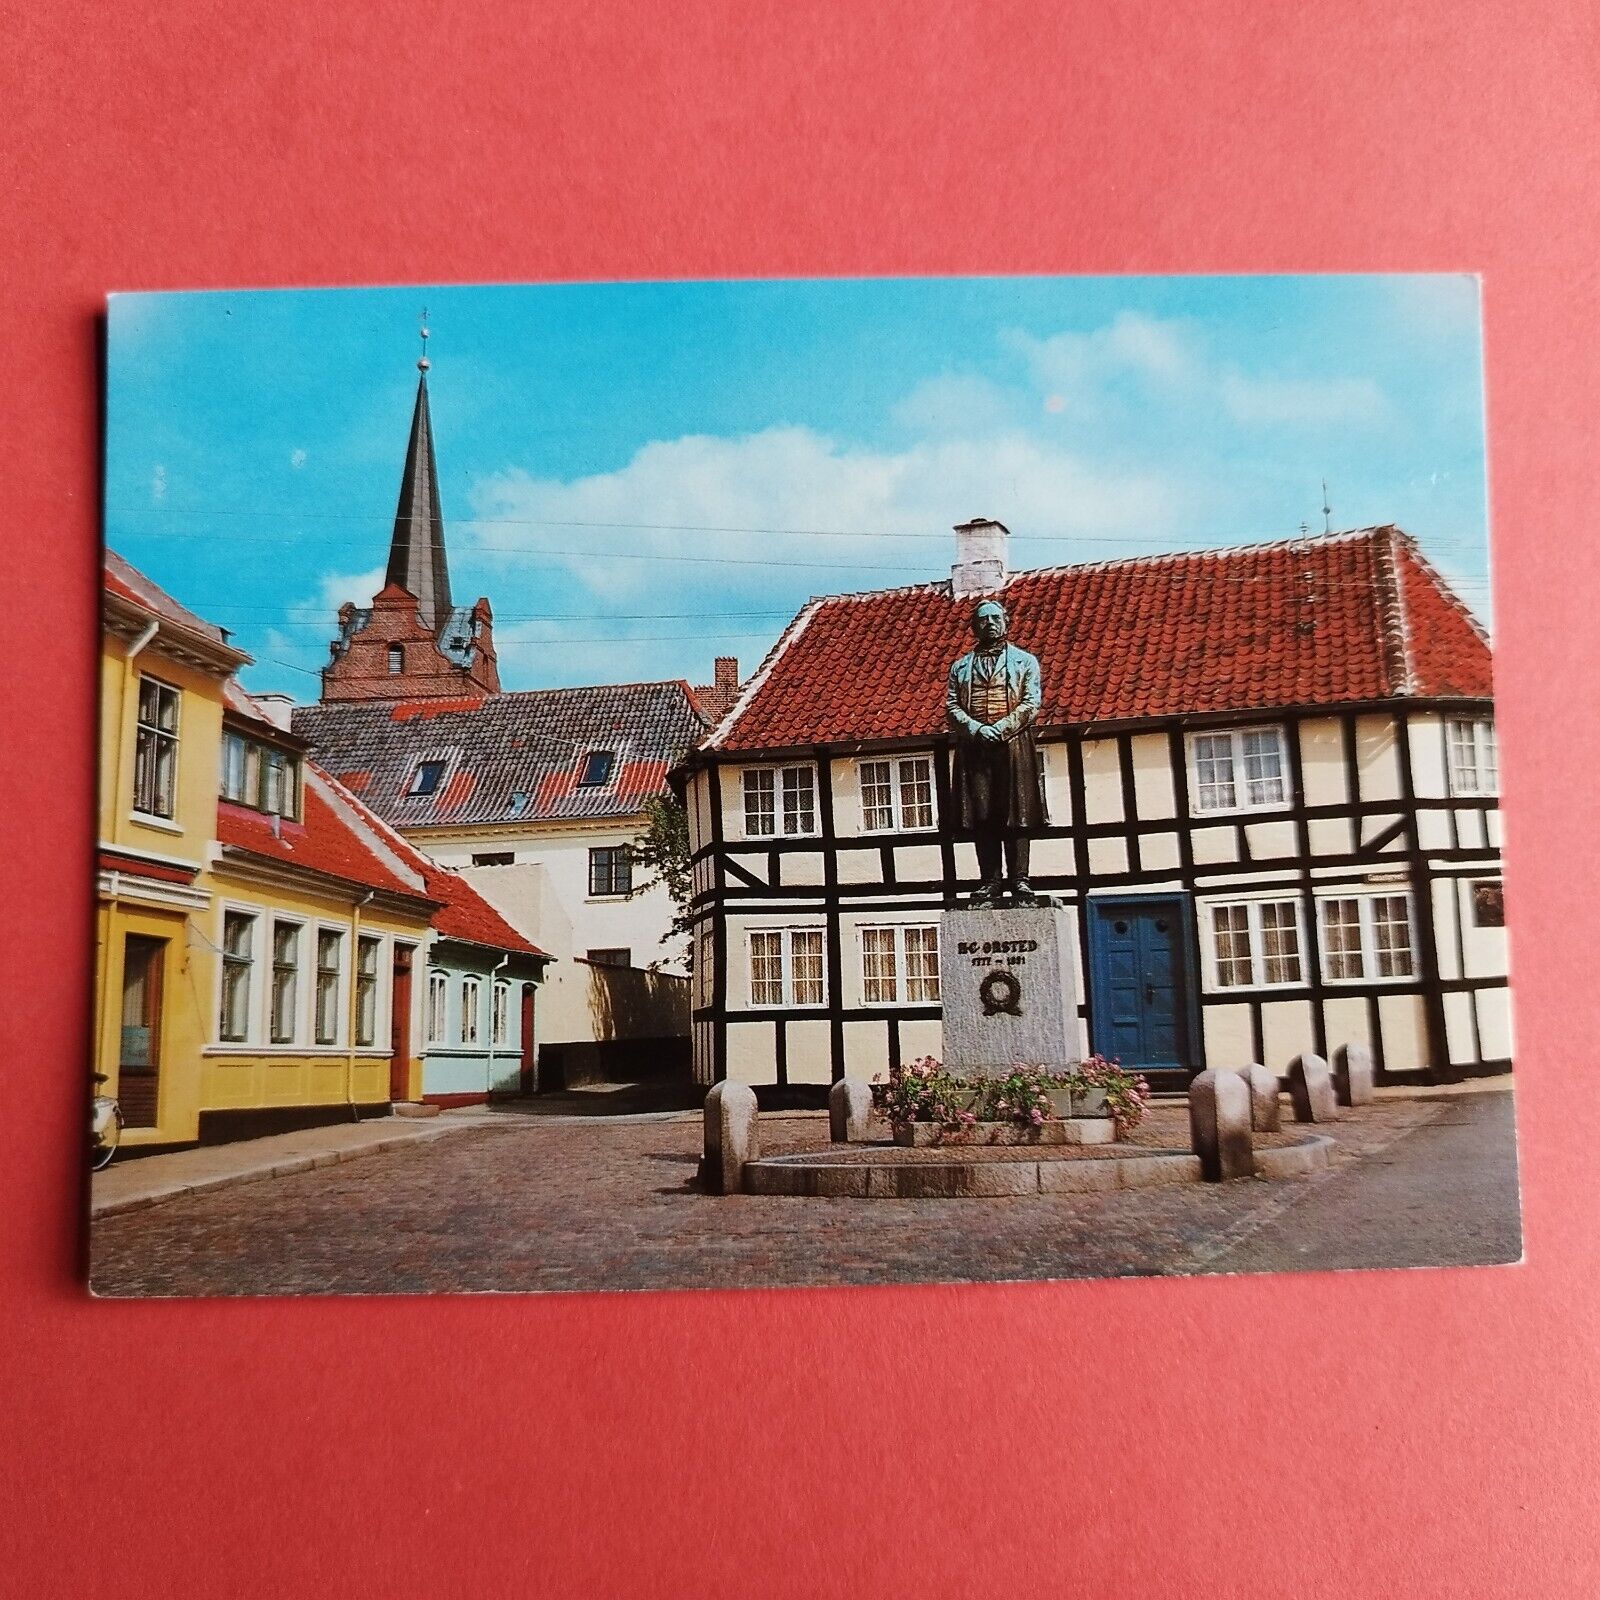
(411, 643)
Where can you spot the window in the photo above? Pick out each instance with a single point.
(618, 957)
(367, 990)
(1256, 944)
(438, 993)
(611, 870)
(328, 957)
(397, 658)
(1488, 903)
(1474, 756)
(1242, 769)
(703, 959)
(470, 1006)
(779, 800)
(1365, 936)
(896, 791)
(426, 777)
(596, 770)
(259, 775)
(517, 804)
(500, 1023)
(900, 964)
(786, 967)
(285, 980)
(493, 858)
(155, 750)
(238, 955)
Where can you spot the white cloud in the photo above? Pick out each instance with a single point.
(158, 484)
(1301, 402)
(956, 403)
(297, 459)
(1076, 367)
(763, 521)
(334, 588)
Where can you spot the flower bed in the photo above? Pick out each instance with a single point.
(922, 1092)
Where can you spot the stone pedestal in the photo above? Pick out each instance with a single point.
(1010, 989)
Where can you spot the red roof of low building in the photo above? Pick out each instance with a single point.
(1337, 619)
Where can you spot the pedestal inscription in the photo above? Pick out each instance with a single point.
(1009, 988)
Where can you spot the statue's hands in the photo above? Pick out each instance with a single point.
(989, 733)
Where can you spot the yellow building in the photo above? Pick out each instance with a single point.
(256, 937)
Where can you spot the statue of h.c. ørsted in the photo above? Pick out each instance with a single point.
(991, 706)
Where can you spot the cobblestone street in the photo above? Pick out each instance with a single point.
(537, 1202)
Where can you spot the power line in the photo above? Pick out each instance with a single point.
(1223, 541)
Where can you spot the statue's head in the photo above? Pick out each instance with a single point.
(989, 622)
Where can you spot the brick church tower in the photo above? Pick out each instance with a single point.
(411, 643)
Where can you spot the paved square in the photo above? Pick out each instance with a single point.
(525, 1202)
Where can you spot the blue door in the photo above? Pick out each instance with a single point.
(1139, 970)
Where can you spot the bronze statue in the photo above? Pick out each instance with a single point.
(991, 706)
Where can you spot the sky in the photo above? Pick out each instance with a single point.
(642, 477)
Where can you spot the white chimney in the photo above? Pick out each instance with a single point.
(276, 708)
(980, 557)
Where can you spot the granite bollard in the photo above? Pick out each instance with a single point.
(1352, 1075)
(1265, 1114)
(1311, 1090)
(730, 1136)
(1219, 1125)
(849, 1111)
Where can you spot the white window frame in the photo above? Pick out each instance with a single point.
(251, 915)
(412, 791)
(786, 938)
(500, 1014)
(435, 1022)
(1366, 899)
(1199, 807)
(471, 1025)
(319, 973)
(1482, 777)
(786, 814)
(899, 976)
(1251, 905)
(157, 737)
(898, 786)
(296, 982)
(359, 977)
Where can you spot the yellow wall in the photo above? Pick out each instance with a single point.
(196, 1072)
(193, 824)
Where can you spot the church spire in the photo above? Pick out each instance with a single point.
(416, 552)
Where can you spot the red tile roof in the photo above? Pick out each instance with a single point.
(322, 841)
(122, 579)
(337, 834)
(1337, 619)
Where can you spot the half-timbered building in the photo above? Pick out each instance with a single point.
(1271, 789)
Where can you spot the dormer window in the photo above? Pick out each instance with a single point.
(397, 658)
(260, 775)
(425, 780)
(596, 770)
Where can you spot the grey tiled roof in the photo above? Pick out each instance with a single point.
(508, 758)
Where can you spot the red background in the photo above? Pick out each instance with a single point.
(1415, 1433)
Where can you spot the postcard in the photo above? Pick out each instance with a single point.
(803, 783)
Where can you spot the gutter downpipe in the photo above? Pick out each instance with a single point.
(488, 1069)
(355, 980)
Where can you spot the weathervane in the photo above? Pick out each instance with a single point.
(422, 333)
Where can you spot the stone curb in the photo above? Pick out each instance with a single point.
(278, 1169)
(1295, 1160)
(949, 1180)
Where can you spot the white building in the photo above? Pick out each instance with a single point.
(1271, 787)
